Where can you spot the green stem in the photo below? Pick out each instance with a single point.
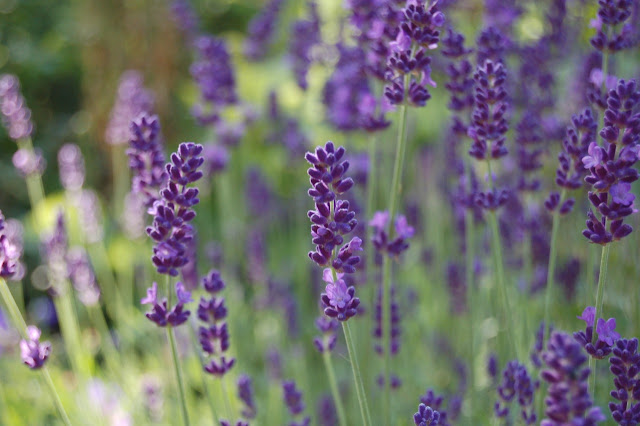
(21, 325)
(602, 280)
(471, 303)
(176, 361)
(81, 361)
(326, 356)
(551, 267)
(196, 348)
(121, 179)
(362, 397)
(225, 396)
(111, 355)
(34, 181)
(396, 188)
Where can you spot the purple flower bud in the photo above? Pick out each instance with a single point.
(34, 354)
(132, 100)
(16, 117)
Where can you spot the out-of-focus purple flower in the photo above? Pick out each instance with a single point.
(380, 238)
(132, 100)
(457, 287)
(185, 17)
(90, 212)
(9, 252)
(54, 252)
(82, 276)
(34, 354)
(189, 271)
(568, 400)
(160, 312)
(29, 162)
(293, 400)
(71, 167)
(394, 324)
(261, 31)
(146, 159)
(426, 416)
(326, 410)
(491, 45)
(588, 316)
(607, 331)
(304, 35)
(625, 365)
(216, 158)
(516, 384)
(328, 327)
(171, 229)
(611, 14)
(245, 393)
(16, 117)
(214, 333)
(408, 63)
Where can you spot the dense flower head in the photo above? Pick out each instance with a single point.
(132, 100)
(488, 123)
(625, 366)
(610, 34)
(16, 117)
(459, 70)
(34, 354)
(214, 333)
(304, 35)
(161, 313)
(409, 70)
(568, 400)
(333, 218)
(491, 45)
(571, 170)
(261, 31)
(146, 159)
(426, 416)
(602, 346)
(214, 75)
(245, 393)
(9, 252)
(172, 213)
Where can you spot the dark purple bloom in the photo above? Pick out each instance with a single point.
(9, 252)
(327, 415)
(171, 229)
(34, 354)
(568, 400)
(261, 31)
(185, 17)
(588, 316)
(516, 384)
(146, 159)
(245, 393)
(293, 400)
(426, 416)
(625, 365)
(214, 334)
(160, 312)
(303, 36)
(16, 117)
(611, 14)
(132, 100)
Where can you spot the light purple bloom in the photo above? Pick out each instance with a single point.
(184, 296)
(607, 331)
(595, 156)
(380, 220)
(34, 354)
(403, 229)
(588, 315)
(152, 295)
(620, 192)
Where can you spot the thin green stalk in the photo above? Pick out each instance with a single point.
(225, 396)
(34, 181)
(18, 294)
(468, 222)
(21, 325)
(602, 280)
(113, 299)
(196, 348)
(326, 356)
(111, 355)
(396, 187)
(176, 362)
(357, 377)
(81, 362)
(121, 179)
(551, 267)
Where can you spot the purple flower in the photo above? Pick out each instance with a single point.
(380, 238)
(620, 193)
(426, 416)
(261, 31)
(293, 400)
(403, 230)
(607, 331)
(34, 354)
(82, 276)
(304, 34)
(245, 393)
(339, 300)
(625, 365)
(160, 312)
(328, 327)
(516, 384)
(28, 162)
(588, 316)
(9, 252)
(132, 100)
(568, 400)
(595, 156)
(16, 117)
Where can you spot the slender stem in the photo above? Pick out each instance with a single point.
(362, 397)
(225, 396)
(396, 187)
(602, 280)
(551, 267)
(34, 181)
(112, 357)
(21, 325)
(326, 356)
(471, 303)
(196, 348)
(81, 361)
(176, 362)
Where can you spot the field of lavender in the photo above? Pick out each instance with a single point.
(334, 212)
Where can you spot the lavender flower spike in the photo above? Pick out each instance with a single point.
(9, 253)
(160, 312)
(132, 100)
(16, 117)
(426, 416)
(34, 354)
(625, 365)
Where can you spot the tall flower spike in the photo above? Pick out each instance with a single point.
(293, 400)
(132, 100)
(261, 31)
(625, 366)
(172, 213)
(568, 400)
(16, 117)
(245, 393)
(9, 252)
(304, 35)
